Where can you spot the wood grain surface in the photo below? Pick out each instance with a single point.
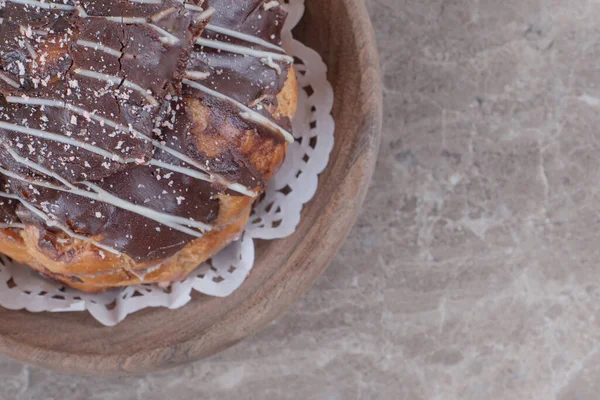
(285, 269)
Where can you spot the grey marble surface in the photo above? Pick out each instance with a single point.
(474, 270)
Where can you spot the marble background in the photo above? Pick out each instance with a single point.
(473, 272)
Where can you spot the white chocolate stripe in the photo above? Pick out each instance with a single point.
(61, 104)
(268, 61)
(172, 221)
(113, 80)
(177, 223)
(127, 20)
(182, 170)
(10, 81)
(81, 11)
(233, 48)
(146, 92)
(99, 47)
(119, 81)
(61, 139)
(24, 28)
(53, 223)
(33, 165)
(247, 113)
(115, 157)
(30, 49)
(236, 187)
(196, 75)
(44, 5)
(206, 14)
(271, 4)
(162, 14)
(168, 38)
(243, 36)
(144, 212)
(193, 7)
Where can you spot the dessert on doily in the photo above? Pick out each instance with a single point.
(135, 135)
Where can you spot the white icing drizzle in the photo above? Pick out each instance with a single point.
(10, 81)
(177, 223)
(115, 80)
(206, 14)
(81, 11)
(99, 47)
(196, 75)
(146, 92)
(162, 14)
(53, 223)
(33, 165)
(147, 1)
(193, 7)
(61, 104)
(271, 4)
(268, 61)
(247, 113)
(243, 36)
(127, 20)
(172, 221)
(182, 170)
(61, 139)
(167, 37)
(236, 187)
(30, 49)
(233, 48)
(209, 177)
(44, 5)
(27, 30)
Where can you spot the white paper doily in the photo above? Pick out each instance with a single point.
(275, 216)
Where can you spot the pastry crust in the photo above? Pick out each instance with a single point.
(82, 265)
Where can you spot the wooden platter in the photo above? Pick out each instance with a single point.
(340, 30)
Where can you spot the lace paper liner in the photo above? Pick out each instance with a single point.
(275, 216)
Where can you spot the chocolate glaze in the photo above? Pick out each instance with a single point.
(243, 78)
(152, 65)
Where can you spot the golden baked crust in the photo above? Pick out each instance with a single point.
(79, 264)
